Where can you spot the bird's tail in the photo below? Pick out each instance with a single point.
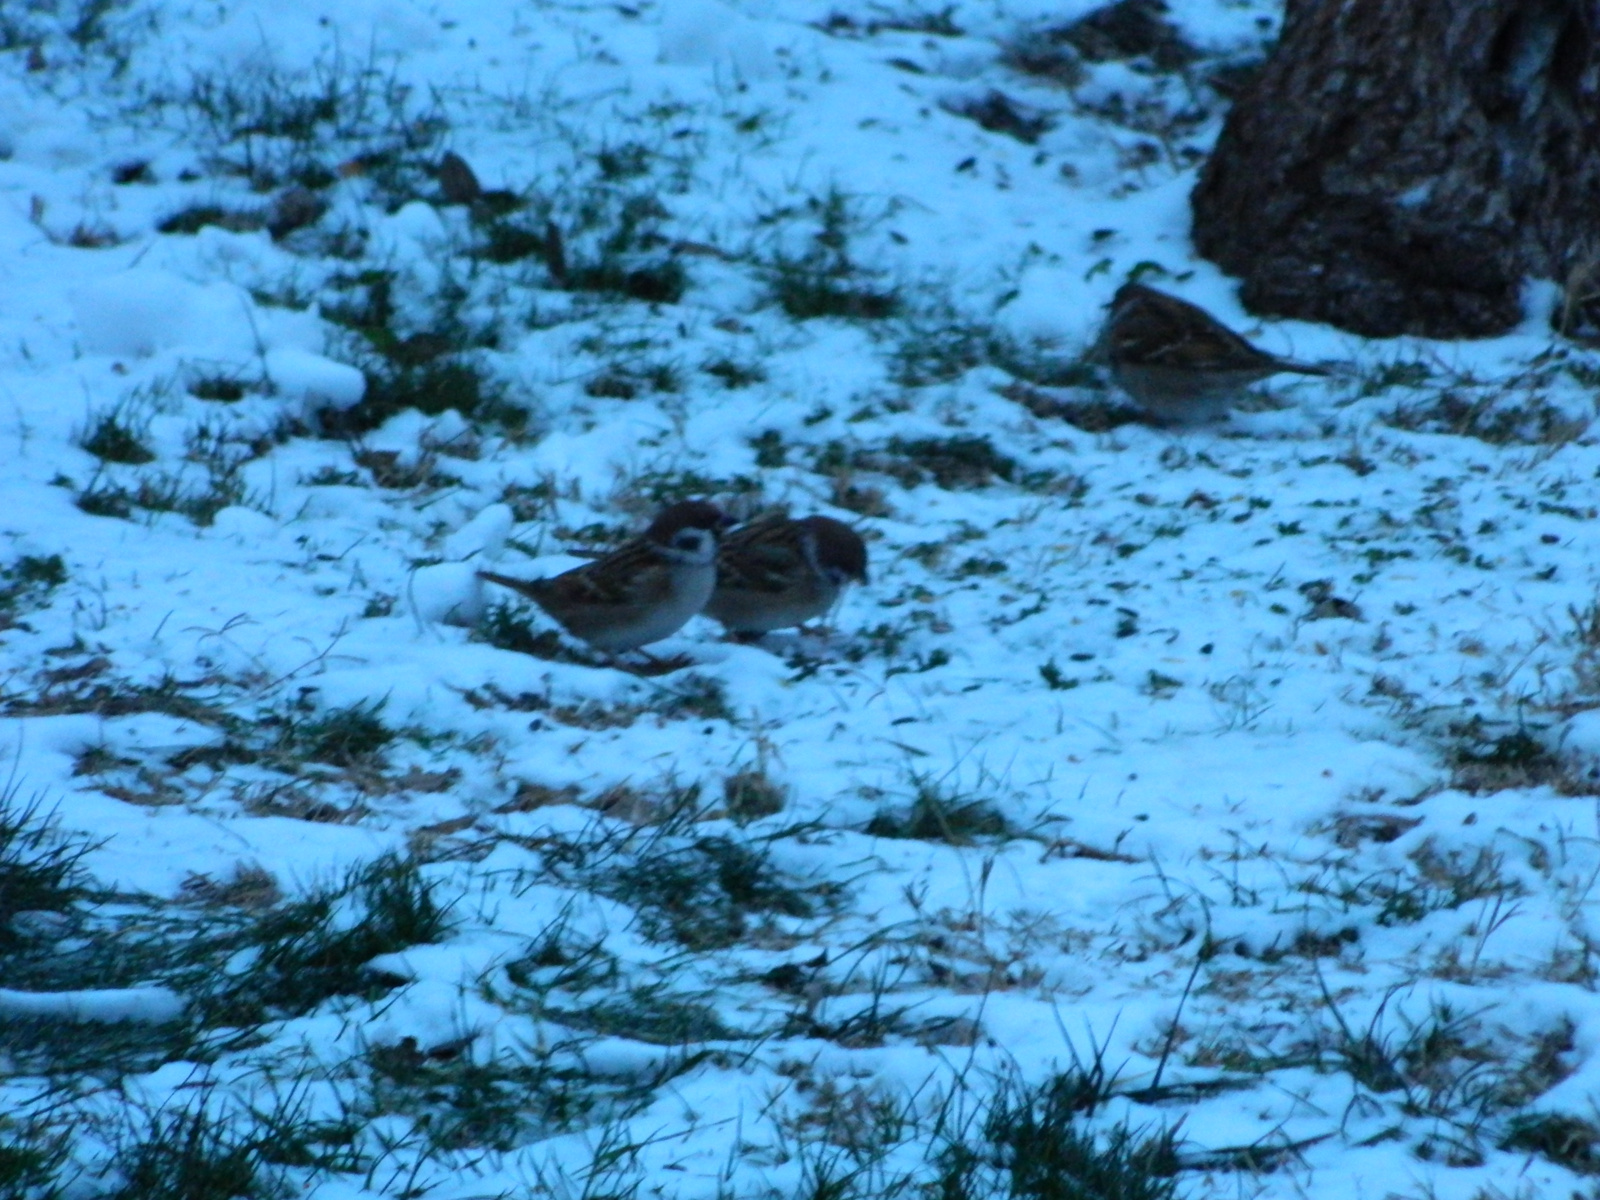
(1288, 364)
(517, 585)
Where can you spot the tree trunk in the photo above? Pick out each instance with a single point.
(1402, 165)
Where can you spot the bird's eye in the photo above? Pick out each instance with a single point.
(689, 539)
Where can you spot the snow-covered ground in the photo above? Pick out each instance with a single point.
(1240, 778)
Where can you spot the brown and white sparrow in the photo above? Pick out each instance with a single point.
(775, 571)
(1177, 361)
(641, 592)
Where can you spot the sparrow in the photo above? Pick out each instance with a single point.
(1177, 361)
(644, 590)
(774, 571)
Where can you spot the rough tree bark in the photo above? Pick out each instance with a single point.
(1402, 165)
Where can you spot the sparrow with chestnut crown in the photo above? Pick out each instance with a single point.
(643, 591)
(776, 571)
(1177, 361)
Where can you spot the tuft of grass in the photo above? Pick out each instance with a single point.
(462, 1101)
(1032, 1144)
(628, 160)
(48, 1046)
(752, 794)
(734, 374)
(224, 389)
(935, 342)
(353, 736)
(1512, 413)
(601, 238)
(1482, 761)
(111, 438)
(823, 280)
(34, 1153)
(912, 19)
(1568, 1141)
(367, 305)
(650, 491)
(861, 1120)
(196, 217)
(290, 958)
(27, 583)
(41, 868)
(85, 690)
(161, 494)
(611, 385)
(1410, 373)
(113, 501)
(1453, 1068)
(940, 346)
(1055, 678)
(210, 479)
(1435, 881)
(559, 960)
(249, 886)
(998, 113)
(299, 739)
(1512, 760)
(290, 1136)
(807, 288)
(697, 697)
(963, 461)
(955, 463)
(237, 966)
(509, 240)
(433, 387)
(650, 1014)
(191, 1153)
(310, 128)
(661, 281)
(703, 893)
(1046, 54)
(939, 815)
(36, 571)
(770, 449)
(1052, 1160)
(1130, 30)
(432, 370)
(621, 382)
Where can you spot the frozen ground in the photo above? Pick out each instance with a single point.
(1211, 810)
